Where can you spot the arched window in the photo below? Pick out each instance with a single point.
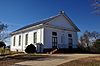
(69, 35)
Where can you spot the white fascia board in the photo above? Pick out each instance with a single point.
(28, 29)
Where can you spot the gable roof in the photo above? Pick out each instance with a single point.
(47, 20)
(37, 23)
(71, 22)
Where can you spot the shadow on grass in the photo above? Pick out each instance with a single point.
(24, 57)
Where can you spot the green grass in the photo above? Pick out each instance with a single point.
(92, 61)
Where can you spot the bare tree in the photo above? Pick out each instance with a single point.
(3, 36)
(3, 32)
(96, 6)
(95, 35)
(84, 39)
(88, 38)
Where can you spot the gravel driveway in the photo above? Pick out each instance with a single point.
(54, 59)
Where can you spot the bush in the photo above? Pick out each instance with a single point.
(2, 44)
(30, 49)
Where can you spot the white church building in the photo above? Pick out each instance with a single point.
(54, 32)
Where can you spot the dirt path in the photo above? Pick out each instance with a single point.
(55, 59)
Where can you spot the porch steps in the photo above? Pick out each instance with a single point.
(53, 51)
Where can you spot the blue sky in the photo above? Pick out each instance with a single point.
(18, 13)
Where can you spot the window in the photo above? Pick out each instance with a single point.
(62, 38)
(69, 35)
(54, 33)
(19, 40)
(35, 37)
(14, 41)
(54, 40)
(26, 39)
(70, 42)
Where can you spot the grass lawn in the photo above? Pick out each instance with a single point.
(12, 59)
(90, 61)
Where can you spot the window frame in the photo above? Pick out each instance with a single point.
(26, 39)
(69, 35)
(19, 40)
(54, 33)
(35, 37)
(54, 40)
(70, 42)
(62, 38)
(14, 39)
